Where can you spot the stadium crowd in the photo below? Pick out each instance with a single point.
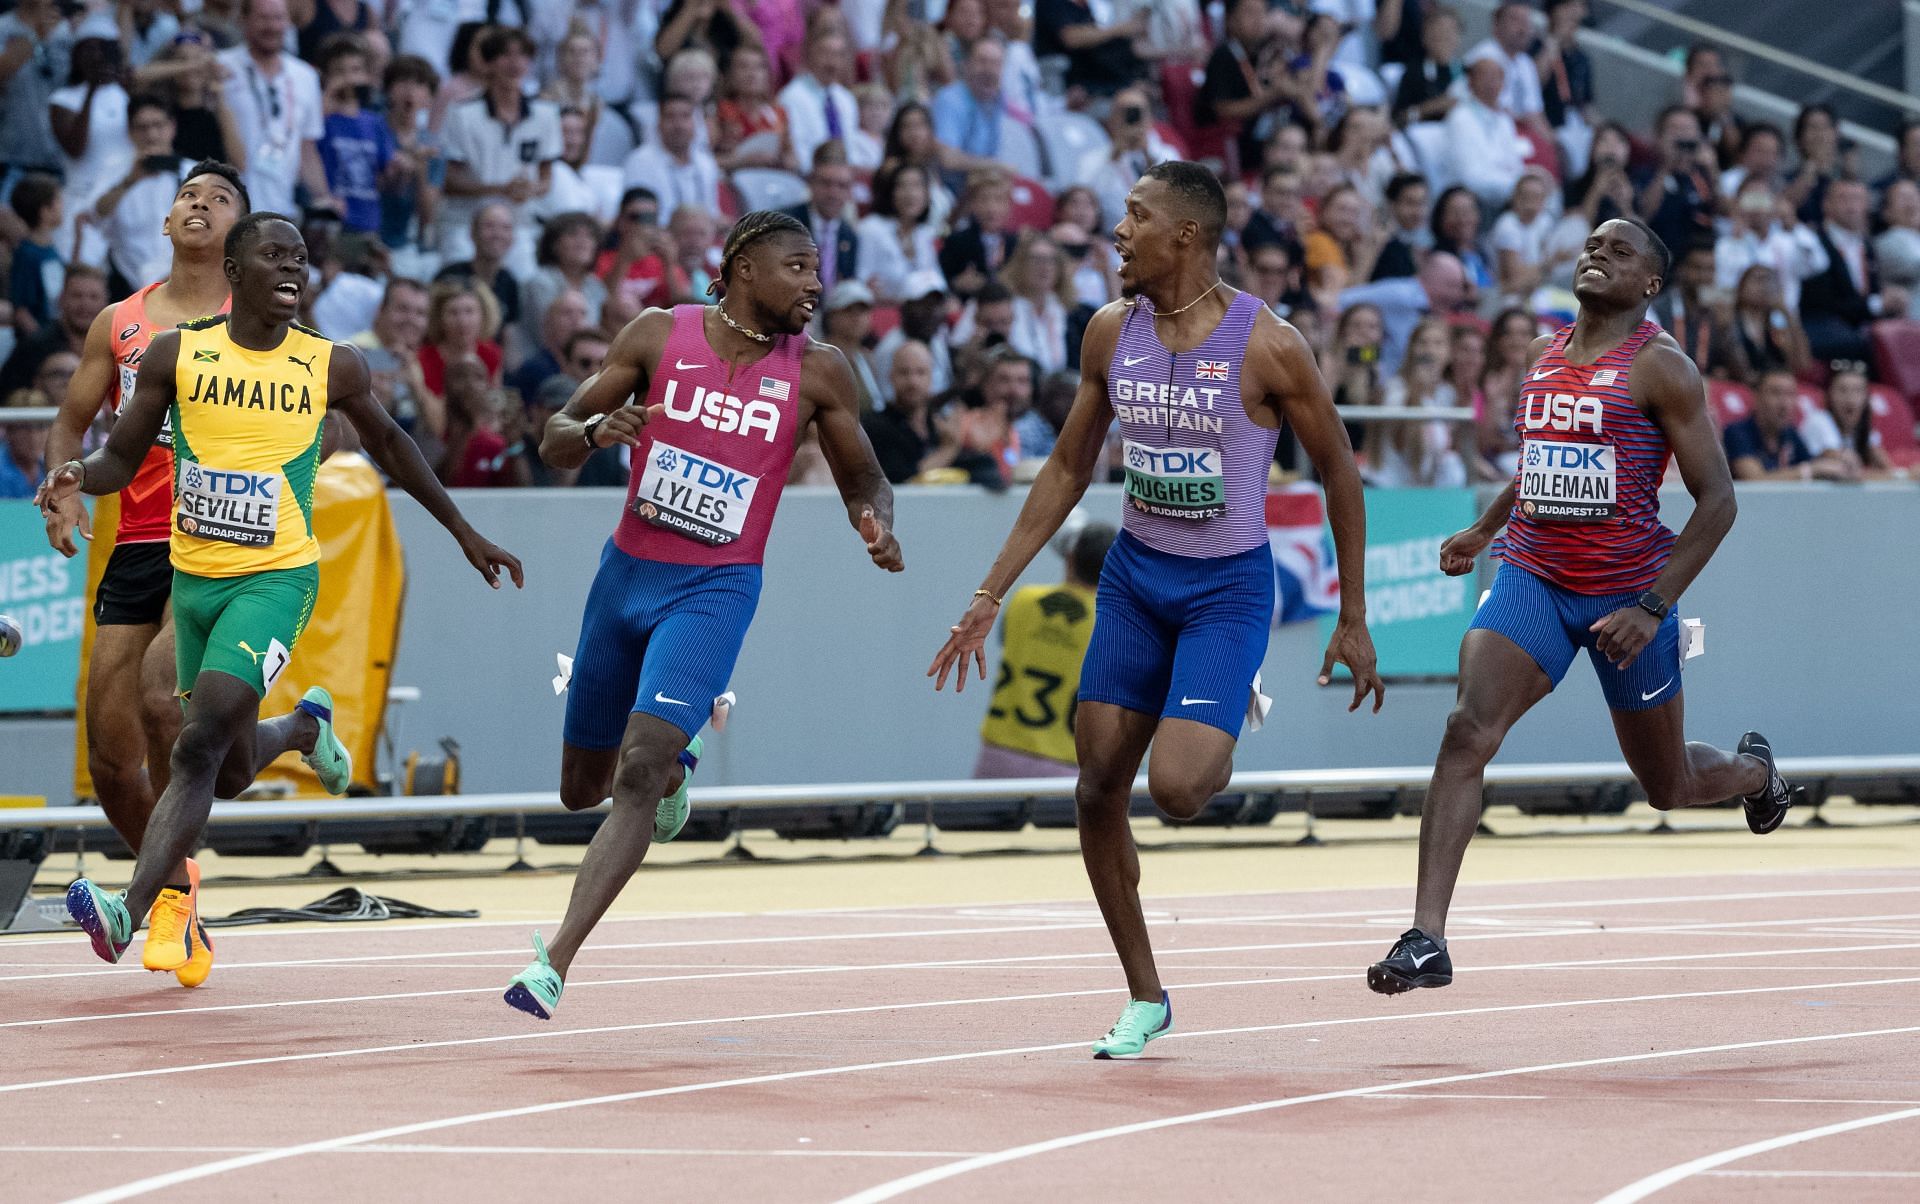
(490, 189)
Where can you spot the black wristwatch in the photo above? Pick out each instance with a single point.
(1655, 605)
(588, 428)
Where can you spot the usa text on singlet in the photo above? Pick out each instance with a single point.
(1196, 464)
(708, 473)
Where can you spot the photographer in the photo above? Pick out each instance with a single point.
(1136, 147)
(131, 212)
(1677, 198)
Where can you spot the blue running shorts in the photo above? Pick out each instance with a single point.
(1551, 624)
(657, 639)
(1179, 636)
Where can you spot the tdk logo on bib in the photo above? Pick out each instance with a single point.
(705, 473)
(1576, 457)
(231, 484)
(722, 412)
(1173, 462)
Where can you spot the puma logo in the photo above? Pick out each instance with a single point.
(306, 364)
(250, 652)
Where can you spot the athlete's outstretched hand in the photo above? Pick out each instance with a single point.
(1623, 634)
(966, 639)
(625, 424)
(1352, 646)
(881, 545)
(490, 558)
(65, 517)
(1460, 548)
(61, 485)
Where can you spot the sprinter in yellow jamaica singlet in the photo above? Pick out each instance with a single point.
(248, 395)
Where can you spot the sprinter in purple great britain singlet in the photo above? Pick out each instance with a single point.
(728, 389)
(1587, 563)
(1199, 377)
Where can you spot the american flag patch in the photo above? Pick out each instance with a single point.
(776, 389)
(1210, 370)
(1604, 377)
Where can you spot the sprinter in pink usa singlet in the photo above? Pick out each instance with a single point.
(711, 402)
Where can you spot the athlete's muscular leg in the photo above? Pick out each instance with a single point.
(648, 769)
(1498, 683)
(1110, 741)
(586, 776)
(117, 749)
(160, 711)
(1675, 773)
(1191, 763)
(264, 743)
(221, 716)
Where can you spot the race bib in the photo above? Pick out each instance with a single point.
(1175, 482)
(700, 498)
(129, 375)
(228, 505)
(1566, 482)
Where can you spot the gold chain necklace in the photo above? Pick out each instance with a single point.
(755, 335)
(1184, 308)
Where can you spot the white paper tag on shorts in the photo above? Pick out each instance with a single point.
(722, 710)
(1258, 705)
(565, 676)
(274, 662)
(1693, 638)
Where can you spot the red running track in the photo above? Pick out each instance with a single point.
(1690, 1039)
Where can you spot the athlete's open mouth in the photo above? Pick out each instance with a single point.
(196, 223)
(808, 305)
(287, 290)
(1593, 269)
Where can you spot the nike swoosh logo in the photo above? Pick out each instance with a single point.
(672, 702)
(1650, 694)
(1423, 959)
(1546, 374)
(1131, 360)
(1198, 702)
(682, 365)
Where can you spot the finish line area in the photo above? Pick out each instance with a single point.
(1691, 1015)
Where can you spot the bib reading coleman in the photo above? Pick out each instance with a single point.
(709, 471)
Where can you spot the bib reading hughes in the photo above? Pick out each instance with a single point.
(246, 443)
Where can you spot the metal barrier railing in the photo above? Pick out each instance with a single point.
(841, 794)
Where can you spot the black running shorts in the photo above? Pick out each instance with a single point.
(136, 586)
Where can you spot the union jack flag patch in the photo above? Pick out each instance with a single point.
(776, 389)
(1210, 370)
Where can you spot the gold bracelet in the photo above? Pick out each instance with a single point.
(987, 594)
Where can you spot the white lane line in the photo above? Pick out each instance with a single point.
(1655, 961)
(209, 1170)
(1810, 1174)
(940, 1174)
(1642, 1188)
(517, 1151)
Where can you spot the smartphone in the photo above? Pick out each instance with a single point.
(1363, 355)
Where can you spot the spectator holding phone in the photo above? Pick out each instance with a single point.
(1766, 335)
(131, 212)
(1676, 198)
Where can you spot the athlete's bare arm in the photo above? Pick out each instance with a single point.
(350, 392)
(1458, 552)
(1060, 485)
(1667, 386)
(618, 390)
(827, 387)
(1280, 369)
(112, 466)
(86, 392)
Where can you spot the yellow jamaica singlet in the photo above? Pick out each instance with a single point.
(246, 446)
(1046, 630)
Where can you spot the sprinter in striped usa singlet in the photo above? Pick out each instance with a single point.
(711, 400)
(1199, 378)
(1586, 563)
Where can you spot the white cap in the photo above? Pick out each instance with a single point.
(848, 293)
(924, 283)
(1486, 52)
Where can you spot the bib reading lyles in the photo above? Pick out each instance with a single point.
(1567, 482)
(1175, 482)
(228, 505)
(695, 496)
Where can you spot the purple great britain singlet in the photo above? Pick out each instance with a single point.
(1196, 464)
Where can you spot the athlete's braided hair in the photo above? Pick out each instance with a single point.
(750, 229)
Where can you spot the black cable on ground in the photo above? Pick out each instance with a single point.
(349, 904)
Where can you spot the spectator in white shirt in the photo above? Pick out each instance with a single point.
(679, 172)
(1520, 91)
(818, 105)
(1762, 146)
(275, 99)
(1488, 155)
(897, 239)
(133, 211)
(89, 118)
(500, 145)
(1767, 231)
(1112, 173)
(1042, 293)
(1520, 238)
